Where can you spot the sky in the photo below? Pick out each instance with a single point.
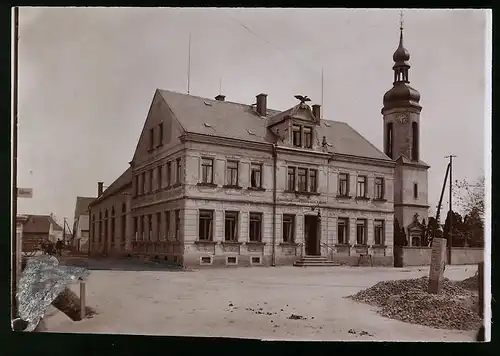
(87, 77)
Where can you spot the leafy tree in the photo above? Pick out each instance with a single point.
(399, 235)
(470, 199)
(424, 238)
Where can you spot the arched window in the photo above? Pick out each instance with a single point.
(415, 191)
(389, 140)
(124, 208)
(415, 143)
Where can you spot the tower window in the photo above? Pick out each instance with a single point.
(415, 191)
(388, 140)
(415, 143)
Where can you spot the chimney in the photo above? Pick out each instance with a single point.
(99, 188)
(220, 97)
(317, 111)
(262, 104)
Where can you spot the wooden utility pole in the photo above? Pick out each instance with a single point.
(15, 256)
(450, 209)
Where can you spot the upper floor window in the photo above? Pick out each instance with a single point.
(151, 178)
(313, 180)
(343, 184)
(178, 170)
(159, 177)
(150, 227)
(297, 136)
(169, 174)
(379, 188)
(160, 134)
(232, 173)
(302, 179)
(361, 186)
(151, 138)
(415, 143)
(307, 137)
(136, 187)
(207, 172)
(256, 175)
(177, 221)
(415, 191)
(302, 136)
(290, 179)
(143, 183)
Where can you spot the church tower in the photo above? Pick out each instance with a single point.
(401, 116)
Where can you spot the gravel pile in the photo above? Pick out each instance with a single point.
(471, 283)
(407, 300)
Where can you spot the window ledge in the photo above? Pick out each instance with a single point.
(159, 145)
(380, 199)
(257, 189)
(227, 186)
(342, 245)
(343, 196)
(209, 185)
(289, 244)
(362, 198)
(205, 242)
(379, 246)
(151, 150)
(231, 243)
(360, 246)
(258, 243)
(306, 193)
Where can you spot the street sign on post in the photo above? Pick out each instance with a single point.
(25, 192)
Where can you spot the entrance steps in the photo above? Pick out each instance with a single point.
(315, 261)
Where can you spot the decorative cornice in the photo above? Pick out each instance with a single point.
(225, 141)
(361, 160)
(412, 205)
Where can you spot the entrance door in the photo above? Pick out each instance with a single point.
(311, 235)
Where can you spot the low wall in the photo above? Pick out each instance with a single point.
(421, 256)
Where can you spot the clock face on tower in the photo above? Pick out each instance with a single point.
(402, 118)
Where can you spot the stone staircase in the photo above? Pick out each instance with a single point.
(315, 261)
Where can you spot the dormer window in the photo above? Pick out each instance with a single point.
(297, 142)
(307, 137)
(302, 136)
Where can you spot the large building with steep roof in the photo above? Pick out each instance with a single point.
(214, 182)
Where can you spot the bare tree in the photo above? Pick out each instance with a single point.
(470, 196)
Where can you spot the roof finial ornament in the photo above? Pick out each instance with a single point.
(401, 20)
(302, 98)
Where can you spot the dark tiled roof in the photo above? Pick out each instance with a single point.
(240, 121)
(82, 206)
(121, 182)
(40, 224)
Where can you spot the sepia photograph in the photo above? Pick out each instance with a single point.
(255, 173)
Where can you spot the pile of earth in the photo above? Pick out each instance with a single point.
(408, 300)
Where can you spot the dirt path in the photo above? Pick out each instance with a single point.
(250, 303)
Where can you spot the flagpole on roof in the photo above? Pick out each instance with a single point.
(322, 91)
(189, 65)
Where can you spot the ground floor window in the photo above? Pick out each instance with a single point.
(158, 226)
(379, 232)
(177, 224)
(288, 228)
(361, 232)
(231, 226)
(135, 228)
(167, 225)
(150, 227)
(256, 227)
(205, 225)
(342, 231)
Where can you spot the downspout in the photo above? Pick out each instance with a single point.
(275, 169)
